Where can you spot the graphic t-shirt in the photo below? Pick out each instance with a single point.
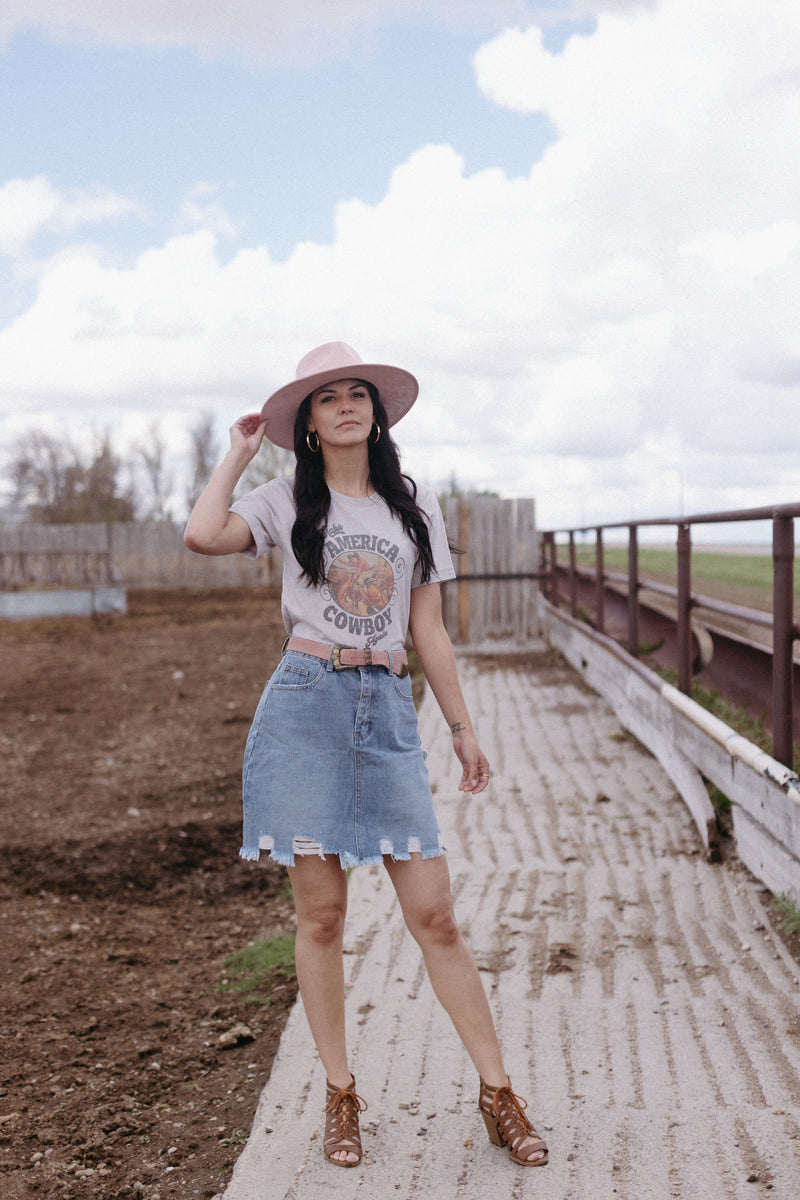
(370, 565)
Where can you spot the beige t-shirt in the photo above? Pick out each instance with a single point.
(369, 560)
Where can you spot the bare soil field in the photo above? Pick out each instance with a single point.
(121, 893)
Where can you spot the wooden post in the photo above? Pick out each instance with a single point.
(464, 561)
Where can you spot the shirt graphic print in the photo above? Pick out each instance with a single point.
(362, 571)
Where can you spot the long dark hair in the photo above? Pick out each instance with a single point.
(312, 496)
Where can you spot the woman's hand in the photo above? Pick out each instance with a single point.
(212, 528)
(474, 763)
(247, 434)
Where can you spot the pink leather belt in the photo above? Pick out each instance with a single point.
(344, 657)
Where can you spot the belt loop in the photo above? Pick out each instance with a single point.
(285, 643)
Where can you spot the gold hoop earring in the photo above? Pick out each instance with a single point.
(372, 440)
(313, 449)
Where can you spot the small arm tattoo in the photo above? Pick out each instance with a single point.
(457, 727)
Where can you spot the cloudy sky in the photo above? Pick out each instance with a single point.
(577, 221)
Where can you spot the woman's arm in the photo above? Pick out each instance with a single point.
(435, 653)
(212, 528)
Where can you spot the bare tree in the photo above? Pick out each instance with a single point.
(204, 453)
(53, 483)
(270, 462)
(152, 455)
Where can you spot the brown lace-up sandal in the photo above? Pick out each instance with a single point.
(342, 1133)
(508, 1126)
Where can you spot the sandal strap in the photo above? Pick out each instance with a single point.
(342, 1131)
(513, 1126)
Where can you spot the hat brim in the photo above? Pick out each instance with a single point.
(398, 390)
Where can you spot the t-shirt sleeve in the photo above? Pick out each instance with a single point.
(442, 562)
(266, 510)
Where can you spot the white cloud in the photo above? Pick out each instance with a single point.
(613, 333)
(201, 209)
(31, 206)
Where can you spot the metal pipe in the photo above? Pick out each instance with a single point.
(767, 513)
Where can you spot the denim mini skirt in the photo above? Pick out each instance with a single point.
(335, 757)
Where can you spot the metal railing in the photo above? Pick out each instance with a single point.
(781, 621)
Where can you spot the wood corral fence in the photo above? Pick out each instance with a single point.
(129, 555)
(494, 597)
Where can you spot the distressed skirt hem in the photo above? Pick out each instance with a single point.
(346, 858)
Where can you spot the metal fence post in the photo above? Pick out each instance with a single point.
(555, 598)
(685, 609)
(633, 592)
(573, 577)
(600, 583)
(782, 637)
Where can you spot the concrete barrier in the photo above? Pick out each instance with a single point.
(693, 746)
(62, 602)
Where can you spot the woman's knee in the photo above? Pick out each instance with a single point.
(434, 923)
(323, 924)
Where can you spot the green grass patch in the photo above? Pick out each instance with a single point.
(721, 803)
(786, 905)
(714, 573)
(252, 971)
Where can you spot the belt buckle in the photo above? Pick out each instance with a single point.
(336, 657)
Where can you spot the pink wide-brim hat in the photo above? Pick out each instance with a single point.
(335, 360)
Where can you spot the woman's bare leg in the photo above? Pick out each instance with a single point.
(423, 889)
(320, 899)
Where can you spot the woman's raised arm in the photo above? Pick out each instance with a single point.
(212, 528)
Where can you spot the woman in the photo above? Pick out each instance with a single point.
(334, 774)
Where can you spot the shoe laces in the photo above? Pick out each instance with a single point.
(504, 1099)
(346, 1104)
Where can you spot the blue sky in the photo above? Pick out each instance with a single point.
(578, 222)
(282, 145)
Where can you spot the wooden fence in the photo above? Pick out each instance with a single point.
(129, 555)
(494, 596)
